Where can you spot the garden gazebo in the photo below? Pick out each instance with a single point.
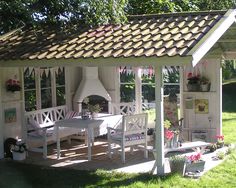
(194, 41)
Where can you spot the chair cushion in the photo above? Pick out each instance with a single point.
(130, 137)
(71, 114)
(35, 126)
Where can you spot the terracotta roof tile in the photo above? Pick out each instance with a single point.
(78, 54)
(145, 35)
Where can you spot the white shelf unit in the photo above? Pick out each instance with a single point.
(196, 120)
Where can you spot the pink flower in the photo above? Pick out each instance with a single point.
(220, 137)
(190, 75)
(169, 134)
(194, 158)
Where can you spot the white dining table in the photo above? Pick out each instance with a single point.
(101, 122)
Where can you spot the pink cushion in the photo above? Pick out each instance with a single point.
(71, 114)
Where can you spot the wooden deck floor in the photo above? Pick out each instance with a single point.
(75, 156)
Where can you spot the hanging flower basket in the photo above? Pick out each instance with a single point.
(13, 85)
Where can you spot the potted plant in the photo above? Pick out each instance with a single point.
(220, 141)
(19, 151)
(205, 84)
(177, 164)
(93, 109)
(212, 147)
(194, 163)
(193, 82)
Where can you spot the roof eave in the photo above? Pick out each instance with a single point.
(121, 61)
(205, 44)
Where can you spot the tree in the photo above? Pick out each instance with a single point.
(13, 14)
(164, 6)
(159, 6)
(214, 4)
(16, 13)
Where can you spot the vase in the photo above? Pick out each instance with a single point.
(94, 115)
(175, 141)
(205, 87)
(169, 143)
(197, 166)
(18, 156)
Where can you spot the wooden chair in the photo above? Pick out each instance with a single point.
(133, 132)
(123, 108)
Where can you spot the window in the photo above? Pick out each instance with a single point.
(127, 86)
(127, 83)
(44, 87)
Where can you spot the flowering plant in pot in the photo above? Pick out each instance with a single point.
(194, 163)
(19, 151)
(171, 134)
(220, 141)
(193, 82)
(93, 109)
(204, 84)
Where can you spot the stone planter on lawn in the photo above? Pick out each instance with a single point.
(197, 166)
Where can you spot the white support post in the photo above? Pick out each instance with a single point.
(138, 90)
(117, 86)
(68, 88)
(159, 141)
(181, 89)
(38, 88)
(22, 106)
(219, 95)
(1, 120)
(53, 85)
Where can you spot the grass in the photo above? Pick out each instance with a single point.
(19, 175)
(13, 174)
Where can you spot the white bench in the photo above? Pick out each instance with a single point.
(43, 133)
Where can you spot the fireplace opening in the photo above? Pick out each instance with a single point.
(95, 99)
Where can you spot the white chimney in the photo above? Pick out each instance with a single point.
(90, 85)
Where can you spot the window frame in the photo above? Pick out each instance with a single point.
(53, 85)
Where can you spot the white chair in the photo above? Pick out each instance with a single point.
(124, 108)
(133, 132)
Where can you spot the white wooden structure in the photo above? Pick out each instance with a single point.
(211, 46)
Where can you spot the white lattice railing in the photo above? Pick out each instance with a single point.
(48, 115)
